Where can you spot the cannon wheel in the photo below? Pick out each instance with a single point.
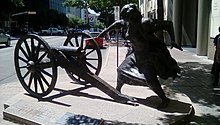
(35, 70)
(92, 54)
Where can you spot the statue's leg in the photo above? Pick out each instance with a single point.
(126, 65)
(154, 84)
(168, 26)
(120, 83)
(165, 25)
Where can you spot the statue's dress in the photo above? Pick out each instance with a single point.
(151, 56)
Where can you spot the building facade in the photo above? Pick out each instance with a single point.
(68, 11)
(195, 22)
(84, 14)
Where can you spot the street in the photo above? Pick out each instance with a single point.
(7, 69)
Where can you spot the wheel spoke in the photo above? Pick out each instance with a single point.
(44, 79)
(92, 59)
(71, 44)
(77, 42)
(89, 52)
(35, 84)
(27, 48)
(30, 80)
(40, 83)
(41, 57)
(46, 73)
(22, 67)
(89, 64)
(32, 48)
(82, 41)
(26, 74)
(24, 53)
(22, 59)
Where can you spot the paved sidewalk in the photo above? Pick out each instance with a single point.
(195, 84)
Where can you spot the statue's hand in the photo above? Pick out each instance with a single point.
(173, 44)
(116, 25)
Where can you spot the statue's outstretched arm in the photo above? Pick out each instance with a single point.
(159, 25)
(168, 26)
(116, 25)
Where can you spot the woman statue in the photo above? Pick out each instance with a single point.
(152, 58)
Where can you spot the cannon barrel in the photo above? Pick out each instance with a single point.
(67, 50)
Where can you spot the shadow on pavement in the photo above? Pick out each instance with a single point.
(196, 82)
(175, 106)
(75, 92)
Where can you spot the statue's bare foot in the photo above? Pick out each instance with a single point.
(164, 104)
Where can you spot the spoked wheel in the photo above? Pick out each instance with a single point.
(92, 54)
(34, 67)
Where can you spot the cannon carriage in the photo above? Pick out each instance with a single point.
(36, 64)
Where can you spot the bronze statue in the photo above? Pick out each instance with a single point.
(150, 55)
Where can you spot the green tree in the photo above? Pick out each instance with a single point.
(8, 7)
(75, 3)
(75, 21)
(104, 7)
(99, 25)
(17, 3)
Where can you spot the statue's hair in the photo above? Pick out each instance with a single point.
(130, 11)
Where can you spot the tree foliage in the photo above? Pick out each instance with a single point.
(17, 3)
(75, 21)
(75, 3)
(9, 6)
(104, 7)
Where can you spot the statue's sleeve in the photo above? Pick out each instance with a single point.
(117, 25)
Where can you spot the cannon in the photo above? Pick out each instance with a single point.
(36, 64)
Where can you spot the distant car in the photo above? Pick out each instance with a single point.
(52, 31)
(5, 38)
(72, 30)
(98, 40)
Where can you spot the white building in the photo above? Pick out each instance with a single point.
(68, 11)
(195, 22)
(215, 18)
(89, 16)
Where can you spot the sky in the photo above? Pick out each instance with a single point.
(93, 12)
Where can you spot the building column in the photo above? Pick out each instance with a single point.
(160, 11)
(177, 20)
(204, 11)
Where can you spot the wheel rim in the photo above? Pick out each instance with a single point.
(92, 56)
(35, 70)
